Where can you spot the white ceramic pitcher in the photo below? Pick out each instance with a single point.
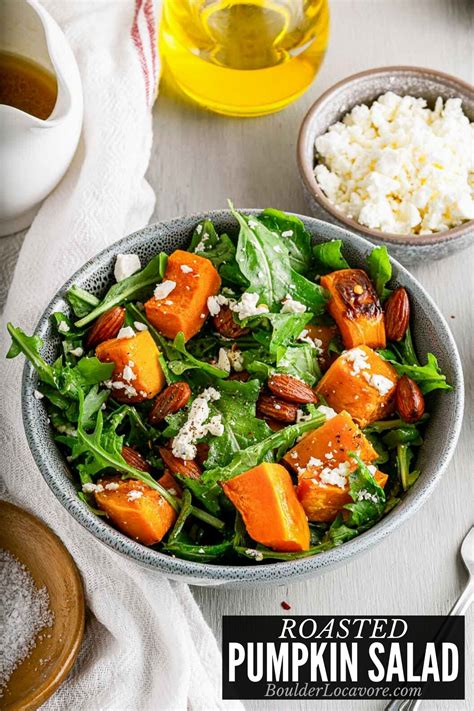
(35, 154)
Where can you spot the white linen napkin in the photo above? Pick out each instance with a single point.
(147, 645)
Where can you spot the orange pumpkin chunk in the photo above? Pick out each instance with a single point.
(136, 509)
(137, 367)
(185, 307)
(323, 502)
(355, 307)
(272, 514)
(328, 446)
(361, 382)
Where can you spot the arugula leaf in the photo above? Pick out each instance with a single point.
(30, 346)
(312, 295)
(81, 301)
(329, 257)
(367, 495)
(199, 553)
(300, 361)
(293, 233)
(429, 377)
(383, 425)
(262, 259)
(219, 249)
(247, 458)
(241, 426)
(186, 361)
(407, 434)
(129, 288)
(380, 270)
(403, 461)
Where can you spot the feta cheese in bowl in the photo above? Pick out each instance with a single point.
(390, 154)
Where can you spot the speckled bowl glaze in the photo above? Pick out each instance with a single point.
(364, 88)
(431, 333)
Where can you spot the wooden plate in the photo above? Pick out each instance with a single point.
(46, 558)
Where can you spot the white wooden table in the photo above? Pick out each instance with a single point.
(199, 160)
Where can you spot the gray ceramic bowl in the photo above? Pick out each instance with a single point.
(364, 88)
(431, 334)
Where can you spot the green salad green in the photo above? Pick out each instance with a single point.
(126, 458)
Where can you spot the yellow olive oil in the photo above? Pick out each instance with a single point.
(25, 85)
(244, 57)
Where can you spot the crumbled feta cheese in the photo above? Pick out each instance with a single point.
(90, 488)
(63, 327)
(214, 303)
(253, 224)
(236, 360)
(112, 486)
(359, 360)
(291, 306)
(134, 495)
(372, 469)
(164, 289)
(195, 427)
(313, 342)
(314, 462)
(128, 373)
(126, 332)
(139, 326)
(253, 553)
(223, 361)
(38, 395)
(201, 247)
(364, 495)
(199, 229)
(327, 411)
(337, 476)
(400, 167)
(379, 382)
(247, 306)
(78, 352)
(287, 233)
(129, 390)
(126, 265)
(186, 269)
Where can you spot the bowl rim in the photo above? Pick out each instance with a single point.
(307, 171)
(38, 695)
(208, 573)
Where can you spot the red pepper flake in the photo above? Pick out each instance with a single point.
(286, 605)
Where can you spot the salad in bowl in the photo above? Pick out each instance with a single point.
(250, 398)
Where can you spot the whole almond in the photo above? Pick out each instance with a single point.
(135, 459)
(179, 466)
(397, 315)
(242, 376)
(274, 408)
(107, 326)
(225, 325)
(169, 401)
(291, 389)
(409, 399)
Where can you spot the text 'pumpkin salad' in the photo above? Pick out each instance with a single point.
(252, 397)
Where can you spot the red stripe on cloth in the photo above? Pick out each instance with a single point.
(151, 26)
(137, 41)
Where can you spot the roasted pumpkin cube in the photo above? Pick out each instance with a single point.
(137, 375)
(135, 509)
(323, 502)
(273, 516)
(361, 382)
(355, 307)
(327, 447)
(184, 308)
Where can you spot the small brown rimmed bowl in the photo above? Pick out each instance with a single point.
(365, 88)
(50, 565)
